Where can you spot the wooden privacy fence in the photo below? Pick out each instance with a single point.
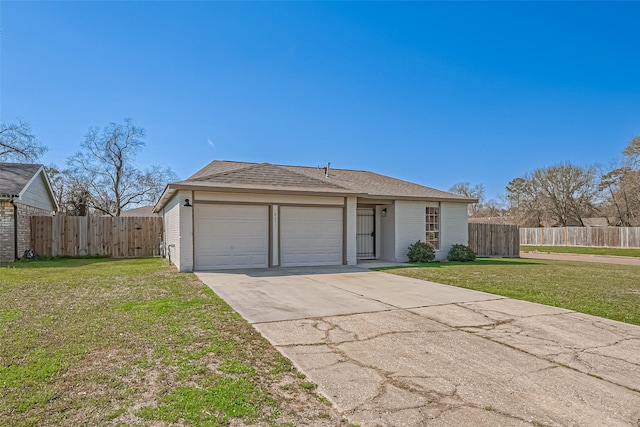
(119, 237)
(613, 237)
(495, 240)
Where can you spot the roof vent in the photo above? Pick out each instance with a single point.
(326, 170)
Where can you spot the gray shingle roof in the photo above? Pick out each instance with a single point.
(265, 176)
(15, 176)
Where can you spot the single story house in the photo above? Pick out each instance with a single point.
(141, 211)
(257, 215)
(25, 190)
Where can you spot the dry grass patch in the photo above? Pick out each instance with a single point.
(133, 342)
(605, 290)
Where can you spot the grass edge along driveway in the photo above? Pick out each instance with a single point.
(604, 290)
(133, 342)
(585, 250)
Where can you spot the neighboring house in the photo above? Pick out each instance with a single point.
(250, 215)
(25, 190)
(586, 222)
(507, 220)
(141, 211)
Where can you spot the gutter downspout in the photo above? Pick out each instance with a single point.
(15, 230)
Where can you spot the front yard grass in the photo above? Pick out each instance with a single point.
(133, 342)
(605, 290)
(630, 252)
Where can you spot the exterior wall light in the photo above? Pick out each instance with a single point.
(186, 203)
(384, 212)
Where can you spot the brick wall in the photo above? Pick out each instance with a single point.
(24, 225)
(6, 232)
(7, 228)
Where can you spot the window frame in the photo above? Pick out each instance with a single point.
(432, 226)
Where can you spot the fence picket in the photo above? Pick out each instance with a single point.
(112, 236)
(612, 237)
(494, 239)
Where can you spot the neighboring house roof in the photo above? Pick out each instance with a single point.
(222, 175)
(595, 222)
(491, 220)
(141, 211)
(15, 177)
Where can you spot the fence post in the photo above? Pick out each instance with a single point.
(72, 235)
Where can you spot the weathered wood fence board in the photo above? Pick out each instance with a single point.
(613, 237)
(120, 237)
(495, 240)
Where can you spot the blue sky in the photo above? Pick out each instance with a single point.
(430, 92)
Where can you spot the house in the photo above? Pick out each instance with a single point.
(257, 215)
(141, 211)
(25, 190)
(506, 220)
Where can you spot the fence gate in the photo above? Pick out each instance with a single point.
(366, 233)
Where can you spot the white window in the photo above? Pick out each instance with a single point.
(433, 227)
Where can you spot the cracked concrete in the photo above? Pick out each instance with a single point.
(394, 351)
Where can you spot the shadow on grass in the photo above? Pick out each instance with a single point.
(477, 262)
(65, 262)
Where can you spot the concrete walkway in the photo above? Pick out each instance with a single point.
(603, 259)
(394, 351)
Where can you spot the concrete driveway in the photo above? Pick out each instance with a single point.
(394, 351)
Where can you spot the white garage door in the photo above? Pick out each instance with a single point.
(310, 236)
(231, 236)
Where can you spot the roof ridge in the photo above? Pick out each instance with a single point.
(241, 168)
(285, 169)
(309, 177)
(322, 167)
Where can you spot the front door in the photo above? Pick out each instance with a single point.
(366, 233)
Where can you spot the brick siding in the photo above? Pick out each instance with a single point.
(7, 227)
(6, 231)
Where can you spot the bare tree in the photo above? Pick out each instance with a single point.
(18, 143)
(524, 204)
(621, 186)
(466, 190)
(71, 192)
(632, 152)
(558, 195)
(105, 163)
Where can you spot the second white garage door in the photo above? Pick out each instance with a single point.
(231, 236)
(310, 236)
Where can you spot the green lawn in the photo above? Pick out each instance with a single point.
(605, 290)
(583, 250)
(133, 342)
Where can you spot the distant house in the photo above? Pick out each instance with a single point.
(492, 220)
(586, 222)
(141, 211)
(25, 190)
(249, 215)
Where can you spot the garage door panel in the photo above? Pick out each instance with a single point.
(310, 236)
(230, 236)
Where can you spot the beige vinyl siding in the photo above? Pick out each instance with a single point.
(171, 218)
(178, 226)
(37, 195)
(186, 231)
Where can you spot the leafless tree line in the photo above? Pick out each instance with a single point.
(567, 194)
(102, 177)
